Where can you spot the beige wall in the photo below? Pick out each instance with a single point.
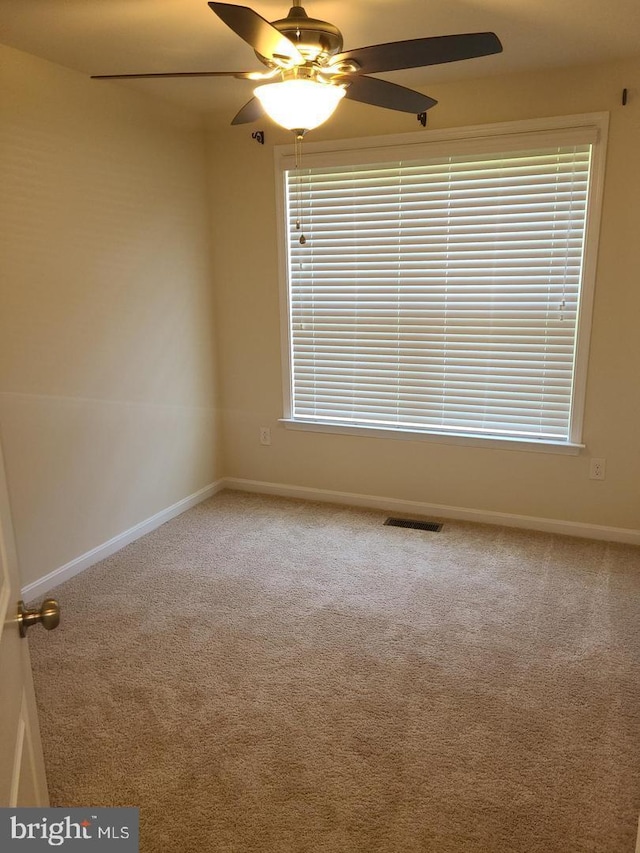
(107, 357)
(509, 481)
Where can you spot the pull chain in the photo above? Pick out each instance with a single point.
(298, 155)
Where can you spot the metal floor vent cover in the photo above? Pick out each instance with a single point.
(433, 526)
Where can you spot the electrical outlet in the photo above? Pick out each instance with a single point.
(597, 469)
(265, 435)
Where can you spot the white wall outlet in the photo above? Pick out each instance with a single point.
(265, 435)
(597, 469)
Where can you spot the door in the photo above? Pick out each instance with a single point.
(22, 775)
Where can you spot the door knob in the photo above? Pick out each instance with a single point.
(48, 615)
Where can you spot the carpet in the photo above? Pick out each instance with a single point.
(264, 674)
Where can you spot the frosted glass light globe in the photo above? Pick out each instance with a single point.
(299, 104)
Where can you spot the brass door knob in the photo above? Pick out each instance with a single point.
(48, 616)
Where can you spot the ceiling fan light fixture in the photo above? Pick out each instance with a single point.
(299, 104)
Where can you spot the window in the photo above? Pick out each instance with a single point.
(444, 288)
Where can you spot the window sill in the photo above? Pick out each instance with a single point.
(503, 443)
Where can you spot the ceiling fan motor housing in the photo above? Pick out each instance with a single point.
(316, 40)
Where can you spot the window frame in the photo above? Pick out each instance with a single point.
(503, 136)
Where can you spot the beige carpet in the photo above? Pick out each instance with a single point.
(271, 675)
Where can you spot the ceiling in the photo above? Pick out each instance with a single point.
(127, 36)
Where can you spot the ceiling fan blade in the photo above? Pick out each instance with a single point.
(243, 75)
(381, 93)
(416, 53)
(259, 33)
(252, 111)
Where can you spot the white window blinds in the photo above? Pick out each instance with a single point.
(440, 294)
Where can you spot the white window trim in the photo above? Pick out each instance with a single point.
(476, 138)
(502, 443)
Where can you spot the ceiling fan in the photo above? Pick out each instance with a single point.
(305, 64)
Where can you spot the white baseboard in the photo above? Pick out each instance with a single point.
(528, 522)
(79, 564)
(101, 552)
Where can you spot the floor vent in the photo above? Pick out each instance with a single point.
(433, 526)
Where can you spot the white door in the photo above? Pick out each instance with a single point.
(22, 776)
